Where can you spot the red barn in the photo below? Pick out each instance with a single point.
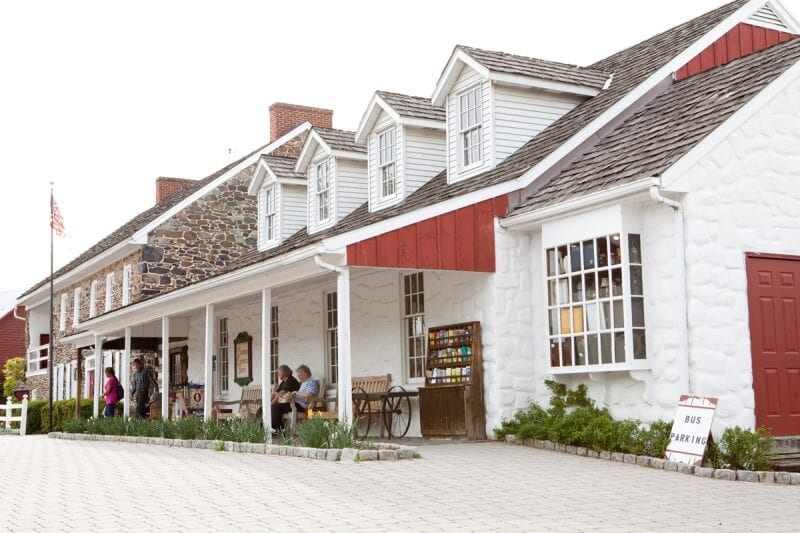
(12, 335)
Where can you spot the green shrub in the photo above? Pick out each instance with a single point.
(76, 425)
(313, 433)
(742, 449)
(655, 439)
(188, 428)
(245, 430)
(213, 430)
(13, 374)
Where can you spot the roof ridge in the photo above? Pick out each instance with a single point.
(467, 48)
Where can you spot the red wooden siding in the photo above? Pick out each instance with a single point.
(12, 336)
(459, 240)
(743, 39)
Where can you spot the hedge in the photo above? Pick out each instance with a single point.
(62, 410)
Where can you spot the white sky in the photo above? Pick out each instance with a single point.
(103, 97)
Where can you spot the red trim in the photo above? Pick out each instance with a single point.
(741, 40)
(459, 240)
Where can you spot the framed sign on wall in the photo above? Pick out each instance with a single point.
(243, 358)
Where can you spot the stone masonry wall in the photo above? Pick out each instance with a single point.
(202, 239)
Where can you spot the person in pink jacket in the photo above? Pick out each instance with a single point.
(110, 392)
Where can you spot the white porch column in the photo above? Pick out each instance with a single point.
(165, 367)
(209, 363)
(98, 373)
(345, 392)
(266, 362)
(125, 372)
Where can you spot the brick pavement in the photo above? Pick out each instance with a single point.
(97, 486)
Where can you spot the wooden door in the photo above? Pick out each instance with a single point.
(773, 286)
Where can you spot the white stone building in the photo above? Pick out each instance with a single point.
(631, 225)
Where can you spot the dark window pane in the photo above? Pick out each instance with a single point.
(616, 282)
(637, 312)
(602, 252)
(616, 250)
(566, 351)
(605, 348)
(636, 280)
(619, 347)
(634, 248)
(604, 286)
(551, 292)
(554, 353)
(575, 256)
(619, 316)
(588, 254)
(577, 289)
(590, 292)
(562, 259)
(580, 351)
(639, 345)
(594, 355)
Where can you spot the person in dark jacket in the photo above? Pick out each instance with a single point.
(140, 388)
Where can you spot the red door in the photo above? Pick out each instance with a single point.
(773, 287)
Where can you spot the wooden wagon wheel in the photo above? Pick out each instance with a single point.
(362, 411)
(397, 412)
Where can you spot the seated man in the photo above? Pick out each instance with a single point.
(287, 383)
(309, 388)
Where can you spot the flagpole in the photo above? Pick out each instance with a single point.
(52, 311)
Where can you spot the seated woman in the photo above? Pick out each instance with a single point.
(287, 383)
(309, 388)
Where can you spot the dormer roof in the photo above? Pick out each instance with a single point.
(339, 143)
(519, 70)
(404, 109)
(277, 169)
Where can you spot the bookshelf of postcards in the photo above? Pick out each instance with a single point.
(451, 402)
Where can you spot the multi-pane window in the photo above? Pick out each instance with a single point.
(76, 307)
(223, 370)
(414, 323)
(62, 313)
(470, 120)
(386, 167)
(270, 214)
(126, 285)
(586, 301)
(332, 335)
(109, 290)
(323, 185)
(93, 299)
(274, 343)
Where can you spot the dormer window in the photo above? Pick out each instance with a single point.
(323, 185)
(386, 156)
(471, 117)
(270, 214)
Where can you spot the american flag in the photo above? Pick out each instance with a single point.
(56, 222)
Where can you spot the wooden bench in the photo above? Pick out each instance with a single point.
(249, 404)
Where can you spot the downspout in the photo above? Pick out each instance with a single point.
(327, 266)
(680, 273)
(18, 317)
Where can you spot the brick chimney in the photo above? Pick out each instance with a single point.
(283, 117)
(166, 187)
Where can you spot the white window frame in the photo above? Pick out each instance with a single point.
(88, 366)
(223, 356)
(270, 215)
(412, 308)
(386, 160)
(322, 193)
(330, 317)
(468, 130)
(62, 316)
(76, 307)
(109, 291)
(126, 285)
(93, 299)
(274, 343)
(575, 320)
(37, 359)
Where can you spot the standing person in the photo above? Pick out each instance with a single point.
(110, 392)
(140, 388)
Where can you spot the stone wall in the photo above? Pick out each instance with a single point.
(202, 239)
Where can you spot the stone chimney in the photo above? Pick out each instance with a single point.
(284, 117)
(166, 187)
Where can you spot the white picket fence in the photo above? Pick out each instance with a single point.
(7, 419)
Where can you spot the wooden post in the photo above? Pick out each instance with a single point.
(23, 416)
(79, 384)
(125, 371)
(208, 394)
(98, 372)
(266, 362)
(165, 368)
(345, 392)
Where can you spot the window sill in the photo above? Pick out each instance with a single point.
(36, 373)
(633, 366)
